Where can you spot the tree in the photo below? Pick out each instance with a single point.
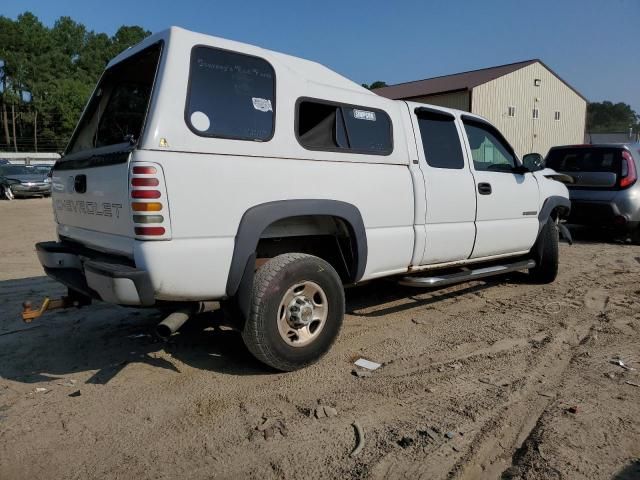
(374, 85)
(47, 75)
(607, 117)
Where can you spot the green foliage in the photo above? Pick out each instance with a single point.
(376, 84)
(608, 117)
(51, 71)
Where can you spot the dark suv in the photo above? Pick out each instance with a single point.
(606, 191)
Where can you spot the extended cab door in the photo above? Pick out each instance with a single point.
(507, 215)
(450, 189)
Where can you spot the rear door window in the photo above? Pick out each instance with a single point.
(231, 95)
(440, 140)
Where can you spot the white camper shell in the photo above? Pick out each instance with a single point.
(204, 169)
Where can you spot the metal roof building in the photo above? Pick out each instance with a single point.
(531, 105)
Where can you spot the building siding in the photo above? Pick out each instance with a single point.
(458, 100)
(492, 100)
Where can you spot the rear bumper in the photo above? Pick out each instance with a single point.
(107, 279)
(600, 214)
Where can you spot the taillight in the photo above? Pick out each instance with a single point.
(628, 174)
(145, 194)
(149, 231)
(148, 207)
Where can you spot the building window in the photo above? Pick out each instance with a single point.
(324, 125)
(556, 116)
(536, 114)
(511, 111)
(537, 82)
(231, 95)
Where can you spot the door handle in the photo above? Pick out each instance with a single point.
(484, 188)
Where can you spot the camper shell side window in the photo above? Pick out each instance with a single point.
(230, 95)
(340, 127)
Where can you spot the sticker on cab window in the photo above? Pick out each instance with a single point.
(364, 115)
(262, 104)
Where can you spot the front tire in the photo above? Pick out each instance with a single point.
(546, 253)
(297, 308)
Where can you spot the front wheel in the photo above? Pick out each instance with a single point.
(297, 308)
(7, 192)
(546, 254)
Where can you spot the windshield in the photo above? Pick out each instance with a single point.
(8, 170)
(585, 159)
(117, 110)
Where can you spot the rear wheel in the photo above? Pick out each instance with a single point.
(546, 254)
(297, 307)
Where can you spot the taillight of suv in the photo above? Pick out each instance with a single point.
(628, 174)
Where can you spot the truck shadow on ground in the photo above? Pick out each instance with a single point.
(373, 299)
(104, 339)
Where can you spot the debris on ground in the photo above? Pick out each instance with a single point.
(40, 390)
(449, 435)
(268, 422)
(368, 364)
(632, 384)
(430, 433)
(573, 409)
(361, 373)
(405, 442)
(269, 428)
(75, 394)
(359, 439)
(620, 363)
(325, 411)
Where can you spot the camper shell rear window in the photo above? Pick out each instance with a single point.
(115, 115)
(230, 95)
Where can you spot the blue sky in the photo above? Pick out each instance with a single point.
(593, 44)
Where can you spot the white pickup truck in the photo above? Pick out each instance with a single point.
(206, 170)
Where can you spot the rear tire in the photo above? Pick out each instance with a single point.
(297, 308)
(546, 254)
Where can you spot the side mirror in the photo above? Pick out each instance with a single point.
(533, 161)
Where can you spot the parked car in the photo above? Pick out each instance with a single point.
(181, 185)
(605, 192)
(25, 181)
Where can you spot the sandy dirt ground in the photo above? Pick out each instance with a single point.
(497, 379)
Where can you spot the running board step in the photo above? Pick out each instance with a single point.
(466, 276)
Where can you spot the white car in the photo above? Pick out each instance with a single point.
(204, 169)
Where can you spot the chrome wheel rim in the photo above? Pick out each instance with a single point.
(302, 313)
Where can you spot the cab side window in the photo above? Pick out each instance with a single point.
(331, 126)
(489, 150)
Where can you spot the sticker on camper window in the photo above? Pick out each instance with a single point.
(262, 104)
(364, 115)
(200, 121)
